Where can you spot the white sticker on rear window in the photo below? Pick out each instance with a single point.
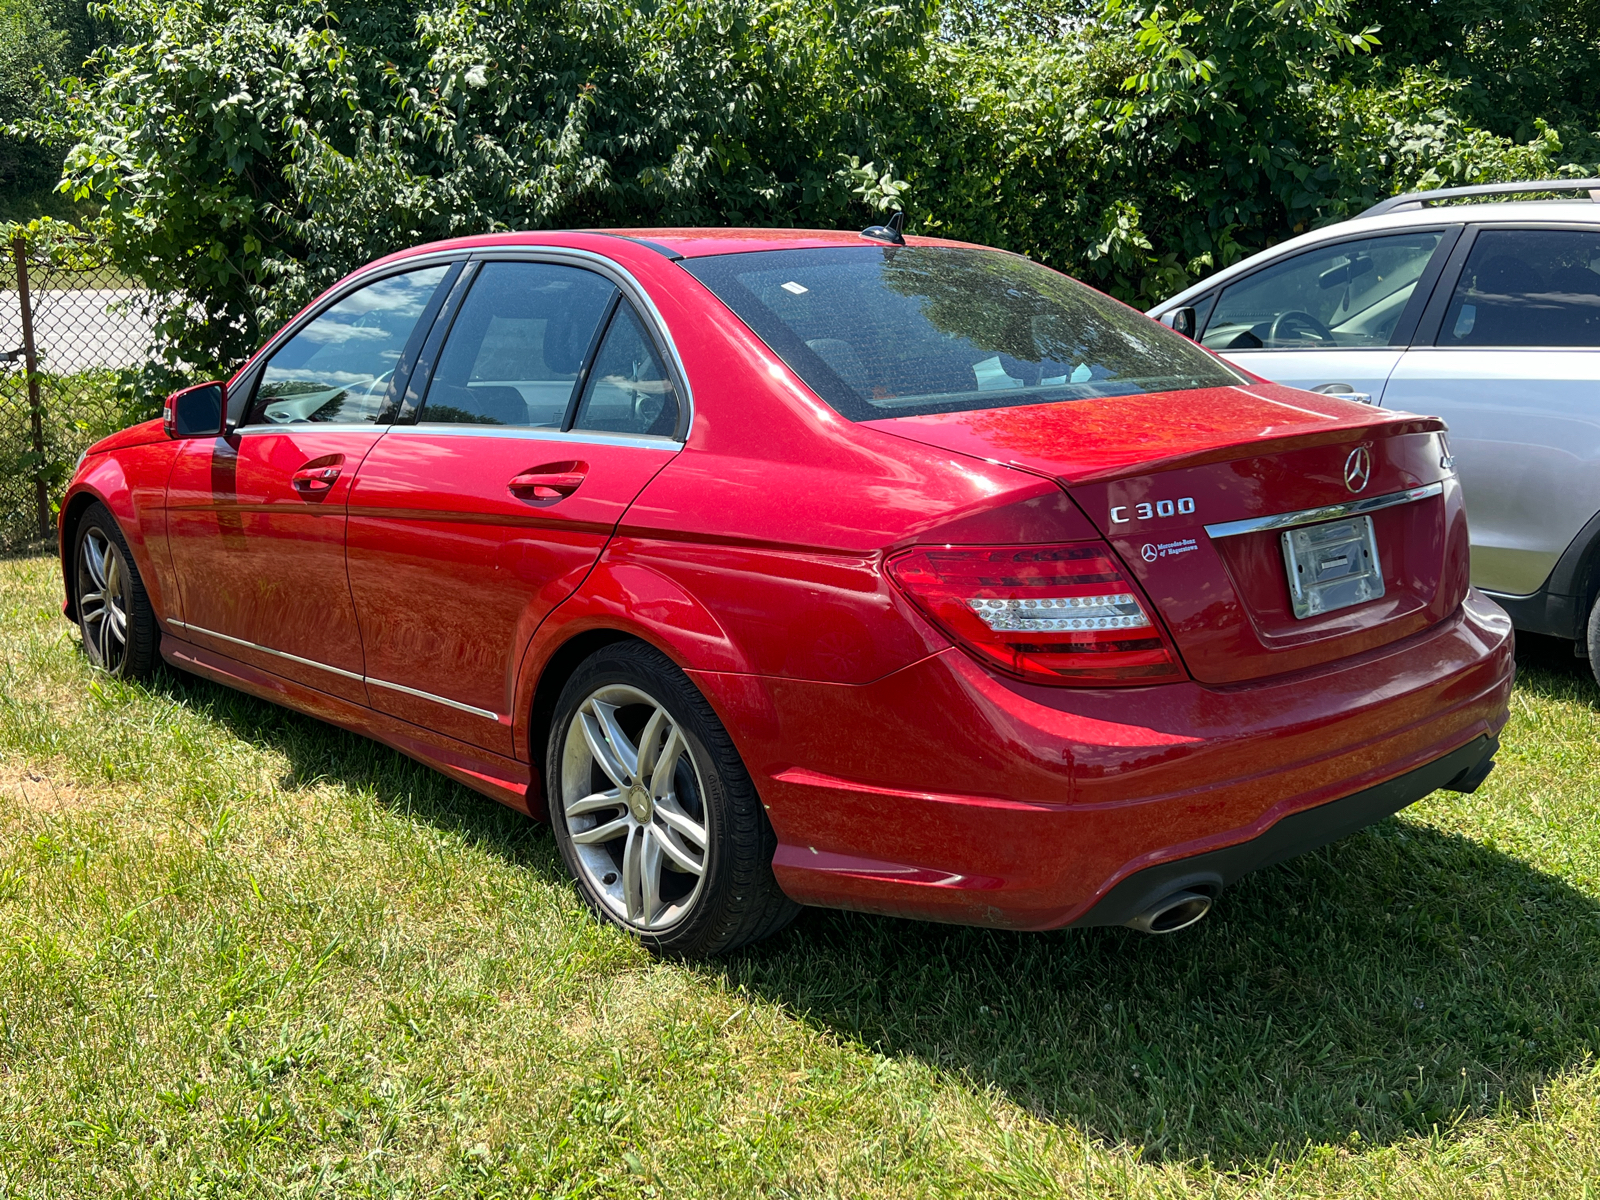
(797, 289)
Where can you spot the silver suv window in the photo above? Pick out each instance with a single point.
(1348, 294)
(1527, 287)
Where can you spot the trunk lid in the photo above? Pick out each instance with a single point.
(1152, 472)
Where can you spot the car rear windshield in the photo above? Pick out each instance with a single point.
(899, 331)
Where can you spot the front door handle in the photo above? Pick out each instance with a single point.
(314, 480)
(1344, 391)
(548, 483)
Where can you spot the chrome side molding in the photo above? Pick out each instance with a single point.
(1328, 512)
(366, 679)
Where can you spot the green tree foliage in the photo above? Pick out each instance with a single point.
(40, 40)
(248, 152)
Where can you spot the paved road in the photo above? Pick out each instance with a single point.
(75, 330)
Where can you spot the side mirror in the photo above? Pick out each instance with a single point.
(195, 411)
(1179, 320)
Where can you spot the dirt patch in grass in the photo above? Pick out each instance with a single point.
(36, 791)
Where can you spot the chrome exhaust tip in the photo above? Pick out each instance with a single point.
(1172, 913)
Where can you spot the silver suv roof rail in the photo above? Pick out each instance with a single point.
(1421, 199)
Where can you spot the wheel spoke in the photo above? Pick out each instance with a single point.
(627, 753)
(601, 750)
(650, 873)
(595, 802)
(666, 764)
(677, 854)
(681, 823)
(113, 575)
(90, 598)
(648, 737)
(119, 622)
(603, 833)
(94, 559)
(632, 885)
(104, 643)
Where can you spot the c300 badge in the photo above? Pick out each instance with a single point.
(1147, 511)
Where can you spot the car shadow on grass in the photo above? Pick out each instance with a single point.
(319, 751)
(1382, 986)
(1372, 990)
(1378, 987)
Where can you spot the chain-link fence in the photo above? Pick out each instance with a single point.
(72, 333)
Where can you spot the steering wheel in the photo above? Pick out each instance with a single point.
(1295, 325)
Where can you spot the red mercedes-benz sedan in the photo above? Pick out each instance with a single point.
(780, 567)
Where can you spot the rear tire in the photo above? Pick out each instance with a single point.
(1592, 638)
(655, 815)
(114, 614)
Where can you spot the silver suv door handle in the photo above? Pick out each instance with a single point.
(1344, 391)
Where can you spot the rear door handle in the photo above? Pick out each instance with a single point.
(314, 480)
(1344, 391)
(547, 485)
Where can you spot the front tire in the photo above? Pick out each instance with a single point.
(114, 614)
(656, 817)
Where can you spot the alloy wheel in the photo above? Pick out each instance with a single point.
(102, 601)
(634, 806)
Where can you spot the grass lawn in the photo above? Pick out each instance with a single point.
(243, 953)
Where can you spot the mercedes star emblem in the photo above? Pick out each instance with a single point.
(1358, 469)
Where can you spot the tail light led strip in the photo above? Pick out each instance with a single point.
(1063, 614)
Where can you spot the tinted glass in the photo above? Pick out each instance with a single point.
(896, 331)
(517, 345)
(339, 366)
(629, 390)
(1527, 287)
(1351, 294)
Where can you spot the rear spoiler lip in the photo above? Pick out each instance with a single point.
(1204, 456)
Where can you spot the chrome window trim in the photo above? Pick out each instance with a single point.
(525, 433)
(314, 427)
(1328, 512)
(631, 288)
(340, 671)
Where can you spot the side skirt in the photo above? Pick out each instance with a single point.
(515, 784)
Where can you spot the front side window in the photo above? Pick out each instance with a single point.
(902, 330)
(517, 346)
(1347, 295)
(338, 368)
(629, 390)
(1527, 287)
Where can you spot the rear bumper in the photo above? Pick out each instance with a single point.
(945, 793)
(1298, 833)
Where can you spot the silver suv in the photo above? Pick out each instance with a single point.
(1486, 314)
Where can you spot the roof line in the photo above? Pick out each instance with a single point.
(1421, 199)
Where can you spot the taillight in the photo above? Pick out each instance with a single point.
(1051, 614)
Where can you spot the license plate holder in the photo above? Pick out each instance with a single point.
(1332, 565)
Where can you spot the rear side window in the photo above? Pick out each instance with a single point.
(1350, 294)
(901, 330)
(338, 368)
(1527, 287)
(517, 346)
(629, 390)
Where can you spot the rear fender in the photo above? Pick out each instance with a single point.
(618, 600)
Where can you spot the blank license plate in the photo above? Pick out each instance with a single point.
(1332, 566)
